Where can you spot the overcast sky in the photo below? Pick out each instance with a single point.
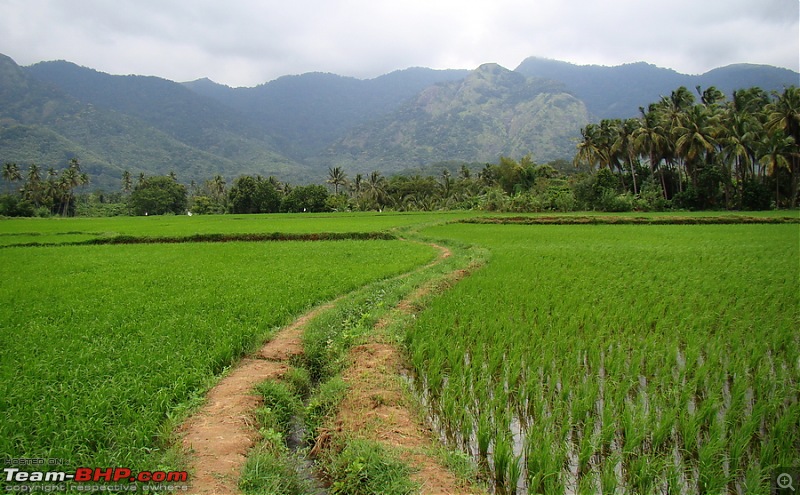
(249, 42)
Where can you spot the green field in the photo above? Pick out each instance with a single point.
(653, 358)
(101, 345)
(650, 358)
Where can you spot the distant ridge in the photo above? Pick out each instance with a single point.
(619, 91)
(295, 127)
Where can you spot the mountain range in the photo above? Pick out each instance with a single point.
(295, 127)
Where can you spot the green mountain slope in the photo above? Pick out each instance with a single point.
(305, 113)
(196, 121)
(618, 92)
(492, 112)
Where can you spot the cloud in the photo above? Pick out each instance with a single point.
(247, 42)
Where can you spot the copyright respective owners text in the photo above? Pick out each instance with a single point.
(785, 481)
(41, 475)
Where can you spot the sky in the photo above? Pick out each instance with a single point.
(251, 42)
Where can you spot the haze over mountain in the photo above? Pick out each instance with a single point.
(296, 126)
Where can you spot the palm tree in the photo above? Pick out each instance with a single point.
(776, 151)
(783, 114)
(376, 188)
(740, 133)
(696, 139)
(589, 150)
(446, 184)
(33, 188)
(218, 186)
(70, 179)
(357, 185)
(336, 177)
(127, 182)
(651, 139)
(623, 145)
(11, 173)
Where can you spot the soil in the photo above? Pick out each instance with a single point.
(218, 437)
(377, 407)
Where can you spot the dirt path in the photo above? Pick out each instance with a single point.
(218, 437)
(376, 406)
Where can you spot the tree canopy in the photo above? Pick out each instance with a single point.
(158, 195)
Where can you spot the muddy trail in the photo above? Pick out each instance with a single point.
(218, 437)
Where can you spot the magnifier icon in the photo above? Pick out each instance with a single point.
(784, 481)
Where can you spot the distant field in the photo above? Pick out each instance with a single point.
(655, 358)
(23, 230)
(100, 345)
(15, 231)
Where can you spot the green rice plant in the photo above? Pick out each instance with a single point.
(485, 434)
(502, 457)
(651, 328)
(608, 475)
(712, 478)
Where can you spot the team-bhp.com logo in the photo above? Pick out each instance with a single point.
(124, 479)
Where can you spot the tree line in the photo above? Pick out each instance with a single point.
(52, 193)
(683, 151)
(713, 153)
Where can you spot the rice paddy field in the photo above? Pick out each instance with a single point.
(577, 359)
(619, 358)
(102, 345)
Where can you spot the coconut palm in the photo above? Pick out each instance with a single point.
(651, 140)
(11, 173)
(127, 182)
(376, 188)
(783, 114)
(623, 145)
(775, 151)
(696, 139)
(33, 187)
(336, 177)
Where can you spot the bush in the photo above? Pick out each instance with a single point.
(305, 199)
(614, 202)
(158, 195)
(269, 472)
(365, 468)
(280, 406)
(755, 196)
(13, 206)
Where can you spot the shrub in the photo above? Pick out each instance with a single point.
(364, 468)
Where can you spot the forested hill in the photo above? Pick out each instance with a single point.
(491, 112)
(42, 123)
(618, 92)
(306, 113)
(295, 127)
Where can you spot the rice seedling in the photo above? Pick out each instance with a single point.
(627, 344)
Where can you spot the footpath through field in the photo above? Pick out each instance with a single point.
(218, 437)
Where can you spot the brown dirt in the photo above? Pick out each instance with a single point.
(216, 438)
(377, 408)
